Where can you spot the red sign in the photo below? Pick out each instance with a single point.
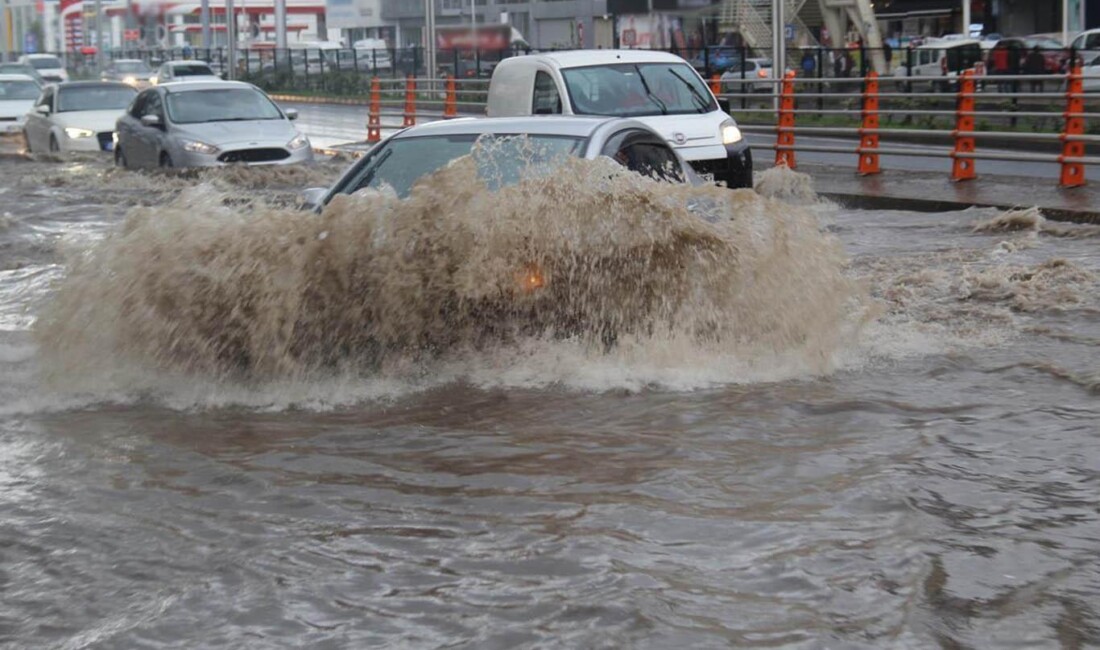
(486, 38)
(131, 34)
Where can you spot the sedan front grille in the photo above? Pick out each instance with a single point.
(9, 119)
(254, 155)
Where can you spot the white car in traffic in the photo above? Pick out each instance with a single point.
(185, 70)
(17, 95)
(49, 66)
(77, 116)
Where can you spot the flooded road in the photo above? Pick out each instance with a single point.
(931, 481)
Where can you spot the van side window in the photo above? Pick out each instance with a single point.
(546, 101)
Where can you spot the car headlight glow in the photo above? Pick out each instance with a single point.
(298, 142)
(75, 133)
(730, 133)
(199, 147)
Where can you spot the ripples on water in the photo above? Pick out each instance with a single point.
(938, 489)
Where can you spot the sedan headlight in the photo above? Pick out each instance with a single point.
(75, 133)
(199, 147)
(129, 80)
(730, 133)
(298, 142)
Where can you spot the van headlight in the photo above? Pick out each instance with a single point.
(730, 133)
(298, 142)
(75, 134)
(199, 147)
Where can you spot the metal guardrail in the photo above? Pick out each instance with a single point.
(1068, 106)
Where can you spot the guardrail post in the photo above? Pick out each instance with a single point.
(716, 84)
(1073, 173)
(784, 145)
(410, 101)
(962, 168)
(374, 121)
(450, 108)
(868, 133)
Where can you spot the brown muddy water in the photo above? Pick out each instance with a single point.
(227, 424)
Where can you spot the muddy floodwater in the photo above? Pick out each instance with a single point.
(820, 428)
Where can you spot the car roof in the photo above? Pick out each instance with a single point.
(188, 86)
(91, 84)
(570, 126)
(581, 58)
(5, 76)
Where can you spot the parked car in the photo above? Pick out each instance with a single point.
(49, 66)
(656, 88)
(203, 124)
(186, 70)
(749, 77)
(372, 53)
(715, 59)
(1087, 40)
(17, 95)
(133, 72)
(76, 116)
(940, 62)
(23, 69)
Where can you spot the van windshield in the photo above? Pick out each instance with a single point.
(633, 89)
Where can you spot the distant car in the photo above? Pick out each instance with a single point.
(1087, 40)
(133, 72)
(208, 123)
(399, 161)
(76, 116)
(747, 78)
(372, 53)
(940, 62)
(716, 59)
(17, 95)
(24, 69)
(171, 71)
(49, 66)
(1091, 74)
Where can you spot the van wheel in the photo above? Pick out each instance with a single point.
(54, 147)
(165, 160)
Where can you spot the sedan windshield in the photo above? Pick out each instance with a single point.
(228, 105)
(12, 90)
(193, 70)
(131, 66)
(403, 161)
(45, 63)
(631, 89)
(94, 98)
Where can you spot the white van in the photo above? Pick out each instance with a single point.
(940, 61)
(659, 89)
(48, 66)
(373, 53)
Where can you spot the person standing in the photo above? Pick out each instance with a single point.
(1035, 64)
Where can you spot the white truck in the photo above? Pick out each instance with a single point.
(661, 90)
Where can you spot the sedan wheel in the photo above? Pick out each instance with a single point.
(165, 160)
(27, 142)
(120, 158)
(54, 146)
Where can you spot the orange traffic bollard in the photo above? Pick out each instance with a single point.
(450, 108)
(868, 134)
(1073, 173)
(784, 144)
(410, 102)
(716, 84)
(374, 121)
(962, 168)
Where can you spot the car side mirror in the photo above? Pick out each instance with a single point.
(152, 120)
(724, 105)
(312, 198)
(42, 109)
(291, 113)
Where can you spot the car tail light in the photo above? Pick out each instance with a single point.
(762, 73)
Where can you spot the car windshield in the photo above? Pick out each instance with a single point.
(221, 105)
(17, 68)
(13, 90)
(45, 63)
(94, 98)
(630, 89)
(131, 66)
(403, 161)
(192, 70)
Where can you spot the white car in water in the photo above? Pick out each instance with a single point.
(49, 66)
(17, 95)
(76, 116)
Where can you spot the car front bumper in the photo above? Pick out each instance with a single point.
(735, 170)
(183, 158)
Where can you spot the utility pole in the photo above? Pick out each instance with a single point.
(99, 35)
(204, 18)
(1065, 22)
(231, 37)
(280, 24)
(429, 37)
(5, 26)
(779, 43)
(966, 19)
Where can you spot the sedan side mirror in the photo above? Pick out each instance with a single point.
(42, 109)
(313, 198)
(291, 113)
(151, 120)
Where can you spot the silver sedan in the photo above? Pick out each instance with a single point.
(205, 124)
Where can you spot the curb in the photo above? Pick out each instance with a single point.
(868, 202)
